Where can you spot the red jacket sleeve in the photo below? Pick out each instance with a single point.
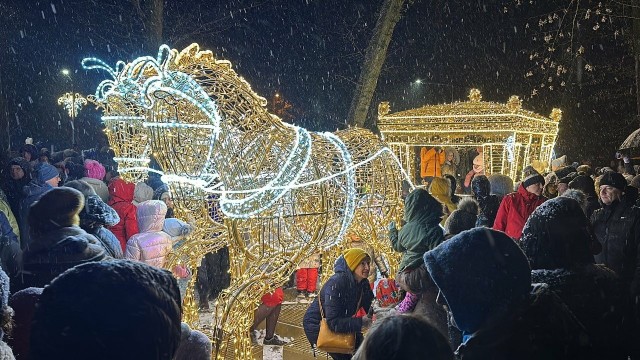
(500, 223)
(131, 223)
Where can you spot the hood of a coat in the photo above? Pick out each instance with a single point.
(482, 274)
(557, 235)
(120, 190)
(151, 215)
(96, 210)
(420, 205)
(481, 186)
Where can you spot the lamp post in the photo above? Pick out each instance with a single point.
(73, 103)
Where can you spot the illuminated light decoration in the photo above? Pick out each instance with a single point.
(510, 136)
(73, 103)
(122, 118)
(179, 125)
(510, 147)
(272, 192)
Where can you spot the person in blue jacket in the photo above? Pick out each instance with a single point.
(340, 296)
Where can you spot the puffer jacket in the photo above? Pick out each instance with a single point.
(55, 251)
(340, 296)
(431, 162)
(32, 193)
(151, 245)
(514, 211)
(13, 188)
(99, 187)
(421, 233)
(121, 197)
(617, 227)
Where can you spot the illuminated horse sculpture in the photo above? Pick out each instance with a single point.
(285, 192)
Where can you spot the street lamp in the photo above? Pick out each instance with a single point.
(73, 103)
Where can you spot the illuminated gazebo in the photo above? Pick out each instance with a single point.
(510, 136)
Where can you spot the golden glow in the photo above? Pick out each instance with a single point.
(510, 136)
(250, 149)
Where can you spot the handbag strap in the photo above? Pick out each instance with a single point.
(320, 303)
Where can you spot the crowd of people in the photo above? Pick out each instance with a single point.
(546, 269)
(82, 261)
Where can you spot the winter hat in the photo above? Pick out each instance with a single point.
(531, 176)
(585, 184)
(75, 171)
(557, 235)
(565, 171)
(354, 257)
(578, 196)
(117, 309)
(31, 149)
(142, 193)
(558, 163)
(176, 228)
(463, 218)
(567, 179)
(501, 185)
(480, 186)
(613, 179)
(95, 210)
(482, 274)
(56, 209)
(94, 169)
(585, 169)
(44, 172)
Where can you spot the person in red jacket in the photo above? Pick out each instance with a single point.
(121, 193)
(516, 207)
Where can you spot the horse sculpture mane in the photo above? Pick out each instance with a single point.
(285, 192)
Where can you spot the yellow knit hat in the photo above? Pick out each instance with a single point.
(354, 256)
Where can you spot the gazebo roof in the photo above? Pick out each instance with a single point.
(510, 115)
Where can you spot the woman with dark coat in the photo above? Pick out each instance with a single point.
(19, 176)
(57, 243)
(342, 295)
(487, 202)
(558, 241)
(485, 281)
(95, 215)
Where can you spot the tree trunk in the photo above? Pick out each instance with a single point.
(374, 59)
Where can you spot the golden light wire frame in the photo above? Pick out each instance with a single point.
(287, 193)
(511, 137)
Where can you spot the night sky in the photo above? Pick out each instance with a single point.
(311, 52)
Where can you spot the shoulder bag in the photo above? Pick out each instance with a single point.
(334, 342)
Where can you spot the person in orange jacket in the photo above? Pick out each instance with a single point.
(430, 163)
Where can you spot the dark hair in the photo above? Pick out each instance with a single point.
(404, 336)
(115, 309)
